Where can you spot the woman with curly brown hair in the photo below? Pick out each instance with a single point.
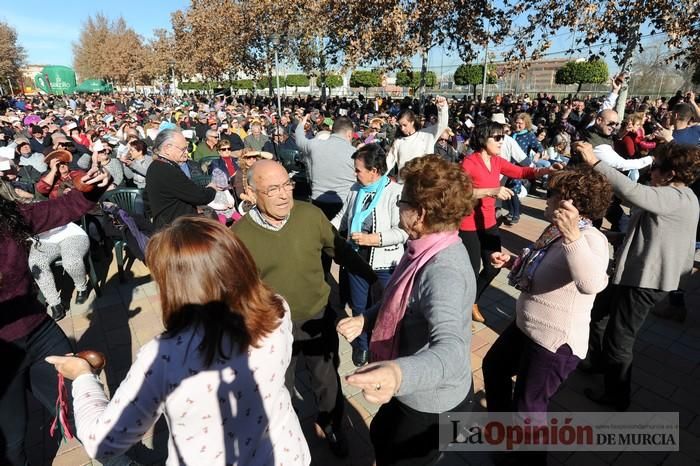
(657, 251)
(420, 340)
(559, 277)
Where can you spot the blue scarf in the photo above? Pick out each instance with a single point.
(359, 214)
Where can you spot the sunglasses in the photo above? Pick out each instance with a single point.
(225, 149)
(612, 124)
(497, 137)
(248, 157)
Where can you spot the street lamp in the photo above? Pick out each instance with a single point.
(275, 43)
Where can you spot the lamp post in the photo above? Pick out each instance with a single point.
(275, 43)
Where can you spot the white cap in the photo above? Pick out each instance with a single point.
(7, 153)
(97, 146)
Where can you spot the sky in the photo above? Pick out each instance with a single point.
(47, 29)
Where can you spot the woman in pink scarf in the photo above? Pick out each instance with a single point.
(421, 335)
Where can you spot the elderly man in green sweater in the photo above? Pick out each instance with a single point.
(286, 241)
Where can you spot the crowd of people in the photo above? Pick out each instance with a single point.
(243, 207)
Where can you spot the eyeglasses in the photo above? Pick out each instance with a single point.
(447, 140)
(181, 149)
(276, 190)
(225, 149)
(497, 137)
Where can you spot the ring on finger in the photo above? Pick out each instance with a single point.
(378, 387)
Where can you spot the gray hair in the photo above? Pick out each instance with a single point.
(164, 137)
(250, 175)
(211, 132)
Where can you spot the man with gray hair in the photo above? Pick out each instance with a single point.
(169, 191)
(286, 240)
(207, 148)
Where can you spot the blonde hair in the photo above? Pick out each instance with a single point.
(526, 119)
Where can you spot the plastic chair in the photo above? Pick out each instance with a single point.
(290, 159)
(204, 162)
(125, 198)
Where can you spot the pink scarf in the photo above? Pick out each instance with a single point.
(384, 344)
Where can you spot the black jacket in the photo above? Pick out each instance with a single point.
(171, 194)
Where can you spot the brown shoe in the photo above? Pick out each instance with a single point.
(476, 314)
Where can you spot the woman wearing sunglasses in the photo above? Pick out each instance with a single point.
(479, 231)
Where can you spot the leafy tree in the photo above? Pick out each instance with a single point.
(12, 55)
(264, 83)
(366, 79)
(160, 54)
(110, 50)
(245, 84)
(473, 75)
(334, 80)
(92, 47)
(297, 80)
(213, 38)
(413, 80)
(618, 23)
(696, 75)
(582, 72)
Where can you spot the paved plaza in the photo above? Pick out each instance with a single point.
(666, 370)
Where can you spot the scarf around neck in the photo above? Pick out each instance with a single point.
(359, 213)
(525, 266)
(384, 344)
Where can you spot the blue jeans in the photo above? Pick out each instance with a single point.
(360, 301)
(513, 204)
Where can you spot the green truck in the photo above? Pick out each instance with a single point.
(60, 80)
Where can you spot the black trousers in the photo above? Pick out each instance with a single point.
(24, 369)
(618, 314)
(317, 341)
(402, 436)
(480, 245)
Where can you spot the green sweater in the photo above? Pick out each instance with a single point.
(289, 260)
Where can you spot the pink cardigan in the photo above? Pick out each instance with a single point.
(557, 310)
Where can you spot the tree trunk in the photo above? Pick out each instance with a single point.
(423, 71)
(626, 59)
(578, 89)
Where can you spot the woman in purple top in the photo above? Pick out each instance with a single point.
(27, 333)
